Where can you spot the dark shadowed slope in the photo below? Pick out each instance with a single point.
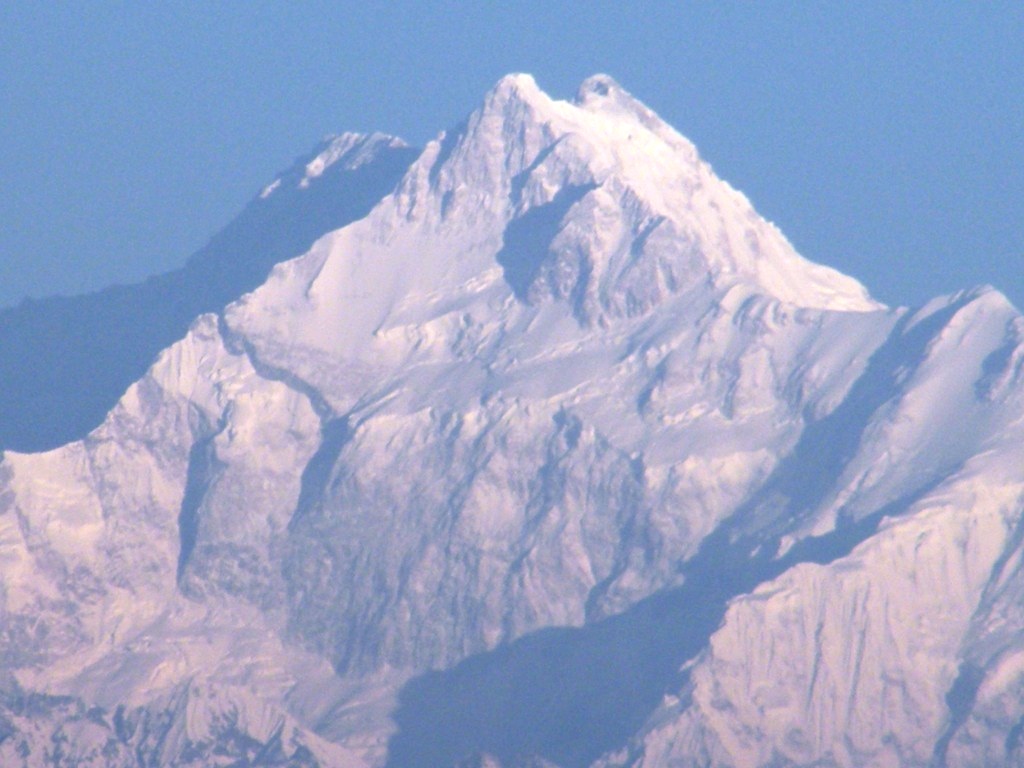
(64, 361)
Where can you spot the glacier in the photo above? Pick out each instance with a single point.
(537, 446)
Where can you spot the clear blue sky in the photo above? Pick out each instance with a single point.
(884, 139)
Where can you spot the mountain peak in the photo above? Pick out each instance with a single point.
(597, 85)
(601, 92)
(344, 151)
(621, 156)
(516, 82)
(594, 208)
(513, 89)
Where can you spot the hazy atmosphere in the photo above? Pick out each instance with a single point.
(885, 140)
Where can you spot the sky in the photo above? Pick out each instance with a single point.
(884, 139)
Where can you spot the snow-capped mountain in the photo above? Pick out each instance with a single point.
(557, 454)
(110, 338)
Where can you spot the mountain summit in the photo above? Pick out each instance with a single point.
(553, 453)
(531, 207)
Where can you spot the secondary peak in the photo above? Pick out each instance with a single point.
(598, 86)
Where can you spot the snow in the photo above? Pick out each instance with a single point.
(560, 398)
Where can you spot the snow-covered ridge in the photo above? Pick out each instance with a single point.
(111, 337)
(608, 139)
(348, 151)
(556, 453)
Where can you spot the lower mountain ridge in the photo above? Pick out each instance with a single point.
(557, 455)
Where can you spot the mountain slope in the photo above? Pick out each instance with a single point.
(558, 453)
(110, 338)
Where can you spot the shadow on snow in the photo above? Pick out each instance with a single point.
(569, 695)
